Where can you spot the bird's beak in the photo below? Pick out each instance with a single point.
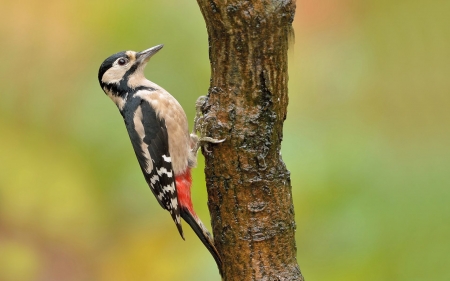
(144, 56)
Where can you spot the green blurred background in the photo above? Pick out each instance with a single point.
(366, 141)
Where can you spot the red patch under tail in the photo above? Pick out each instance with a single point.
(184, 183)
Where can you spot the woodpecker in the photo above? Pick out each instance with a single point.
(158, 130)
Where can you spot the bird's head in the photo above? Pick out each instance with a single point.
(124, 70)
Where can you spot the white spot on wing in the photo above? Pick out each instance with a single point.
(154, 179)
(160, 196)
(164, 171)
(167, 159)
(169, 188)
(174, 203)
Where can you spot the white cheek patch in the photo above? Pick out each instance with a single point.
(114, 75)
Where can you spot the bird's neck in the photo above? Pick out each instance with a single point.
(124, 89)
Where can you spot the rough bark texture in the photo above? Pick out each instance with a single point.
(249, 189)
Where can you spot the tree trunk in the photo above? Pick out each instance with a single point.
(249, 189)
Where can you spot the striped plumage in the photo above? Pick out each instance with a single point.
(158, 130)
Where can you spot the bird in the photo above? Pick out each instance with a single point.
(158, 129)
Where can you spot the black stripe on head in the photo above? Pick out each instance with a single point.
(130, 71)
(108, 63)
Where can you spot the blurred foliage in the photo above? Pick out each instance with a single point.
(366, 141)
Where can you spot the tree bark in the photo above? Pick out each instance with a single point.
(249, 188)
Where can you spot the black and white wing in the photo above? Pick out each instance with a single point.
(148, 135)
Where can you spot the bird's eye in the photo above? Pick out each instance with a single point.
(122, 61)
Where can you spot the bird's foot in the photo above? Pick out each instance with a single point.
(199, 128)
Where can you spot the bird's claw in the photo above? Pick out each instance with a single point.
(199, 128)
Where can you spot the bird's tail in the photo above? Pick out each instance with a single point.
(203, 234)
(183, 183)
